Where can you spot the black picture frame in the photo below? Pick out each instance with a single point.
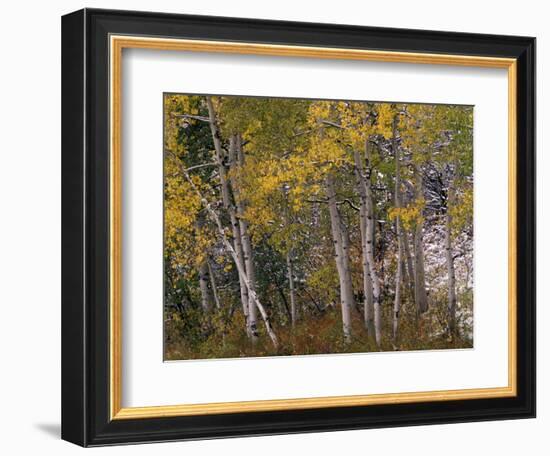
(85, 225)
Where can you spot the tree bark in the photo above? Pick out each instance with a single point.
(346, 262)
(420, 295)
(408, 260)
(237, 238)
(371, 288)
(248, 253)
(375, 280)
(204, 278)
(451, 304)
(291, 288)
(213, 286)
(397, 202)
(216, 139)
(398, 278)
(342, 262)
(251, 274)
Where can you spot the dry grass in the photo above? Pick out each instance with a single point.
(218, 338)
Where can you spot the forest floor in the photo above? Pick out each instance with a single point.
(321, 334)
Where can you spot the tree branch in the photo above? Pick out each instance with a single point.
(316, 201)
(350, 203)
(204, 165)
(332, 124)
(190, 116)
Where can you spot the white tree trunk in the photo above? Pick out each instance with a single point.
(213, 286)
(397, 202)
(367, 241)
(451, 304)
(251, 274)
(377, 304)
(216, 139)
(342, 263)
(420, 295)
(291, 288)
(409, 261)
(204, 278)
(248, 253)
(398, 278)
(346, 262)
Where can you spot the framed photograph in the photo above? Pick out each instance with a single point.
(278, 227)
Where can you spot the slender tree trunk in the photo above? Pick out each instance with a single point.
(409, 261)
(240, 258)
(346, 291)
(367, 241)
(248, 253)
(346, 262)
(216, 139)
(451, 305)
(398, 278)
(317, 306)
(227, 204)
(292, 290)
(251, 274)
(397, 197)
(420, 295)
(213, 286)
(375, 280)
(284, 301)
(204, 278)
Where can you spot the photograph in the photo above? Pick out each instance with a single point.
(302, 226)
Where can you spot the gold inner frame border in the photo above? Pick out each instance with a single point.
(116, 46)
